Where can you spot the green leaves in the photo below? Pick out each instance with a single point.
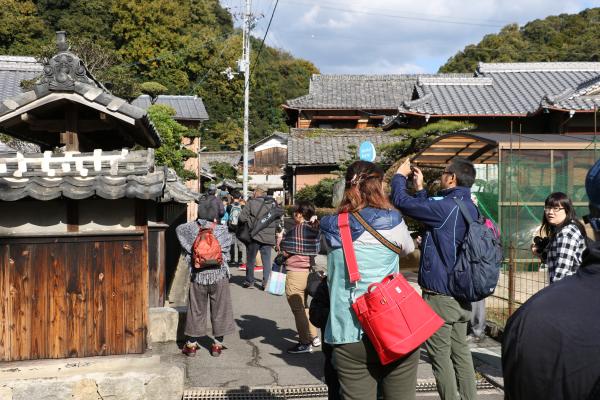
(567, 37)
(171, 153)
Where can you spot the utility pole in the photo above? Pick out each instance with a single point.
(245, 63)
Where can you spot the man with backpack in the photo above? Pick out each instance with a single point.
(234, 210)
(446, 228)
(210, 205)
(262, 215)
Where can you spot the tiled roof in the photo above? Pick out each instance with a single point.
(189, 108)
(283, 136)
(4, 148)
(357, 92)
(508, 89)
(13, 70)
(230, 157)
(330, 146)
(110, 175)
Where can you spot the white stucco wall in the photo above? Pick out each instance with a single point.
(269, 144)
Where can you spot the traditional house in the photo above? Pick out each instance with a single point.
(349, 101)
(314, 154)
(268, 159)
(554, 97)
(82, 229)
(189, 111)
(232, 158)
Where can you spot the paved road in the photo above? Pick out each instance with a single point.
(256, 354)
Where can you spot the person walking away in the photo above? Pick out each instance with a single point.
(566, 237)
(209, 287)
(446, 228)
(550, 344)
(234, 210)
(210, 205)
(356, 361)
(300, 245)
(257, 213)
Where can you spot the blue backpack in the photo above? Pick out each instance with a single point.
(475, 274)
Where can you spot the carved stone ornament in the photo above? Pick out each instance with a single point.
(64, 68)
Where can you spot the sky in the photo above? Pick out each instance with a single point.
(389, 36)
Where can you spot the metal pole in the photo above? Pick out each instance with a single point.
(246, 61)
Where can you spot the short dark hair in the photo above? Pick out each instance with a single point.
(464, 171)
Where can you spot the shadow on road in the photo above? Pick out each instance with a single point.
(266, 330)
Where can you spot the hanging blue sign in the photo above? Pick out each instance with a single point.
(366, 151)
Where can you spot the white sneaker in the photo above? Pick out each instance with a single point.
(316, 342)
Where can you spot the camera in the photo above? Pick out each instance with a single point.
(541, 243)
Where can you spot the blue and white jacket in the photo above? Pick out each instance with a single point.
(375, 262)
(446, 229)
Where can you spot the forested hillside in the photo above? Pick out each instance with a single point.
(183, 45)
(566, 37)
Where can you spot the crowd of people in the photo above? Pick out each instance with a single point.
(550, 347)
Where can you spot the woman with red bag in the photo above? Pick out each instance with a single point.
(354, 357)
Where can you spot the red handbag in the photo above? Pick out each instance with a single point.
(392, 314)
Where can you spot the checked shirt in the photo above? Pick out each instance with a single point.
(564, 252)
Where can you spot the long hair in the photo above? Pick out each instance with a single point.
(364, 188)
(559, 199)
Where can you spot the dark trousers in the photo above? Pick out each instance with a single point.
(215, 297)
(265, 253)
(331, 377)
(360, 372)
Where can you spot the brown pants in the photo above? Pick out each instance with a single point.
(295, 287)
(218, 297)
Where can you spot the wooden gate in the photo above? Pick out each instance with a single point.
(72, 297)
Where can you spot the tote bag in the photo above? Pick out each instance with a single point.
(393, 315)
(276, 283)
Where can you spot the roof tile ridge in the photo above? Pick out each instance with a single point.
(539, 66)
(408, 104)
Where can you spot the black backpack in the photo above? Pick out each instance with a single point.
(477, 269)
(208, 208)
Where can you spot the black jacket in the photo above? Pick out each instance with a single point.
(551, 346)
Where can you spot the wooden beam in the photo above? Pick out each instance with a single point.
(72, 216)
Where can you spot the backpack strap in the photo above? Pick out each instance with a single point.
(377, 235)
(349, 254)
(463, 210)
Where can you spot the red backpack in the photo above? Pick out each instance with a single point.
(206, 250)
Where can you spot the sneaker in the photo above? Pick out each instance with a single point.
(247, 285)
(316, 342)
(258, 268)
(300, 348)
(242, 267)
(215, 350)
(189, 349)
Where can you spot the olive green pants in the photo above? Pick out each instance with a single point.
(359, 372)
(451, 358)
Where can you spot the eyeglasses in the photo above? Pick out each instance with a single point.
(553, 209)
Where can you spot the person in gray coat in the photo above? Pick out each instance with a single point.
(257, 209)
(209, 287)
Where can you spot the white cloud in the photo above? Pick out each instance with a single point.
(394, 36)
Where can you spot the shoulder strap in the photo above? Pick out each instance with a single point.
(377, 235)
(349, 254)
(463, 210)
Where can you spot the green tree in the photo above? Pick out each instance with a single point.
(566, 37)
(21, 30)
(171, 153)
(223, 170)
(320, 195)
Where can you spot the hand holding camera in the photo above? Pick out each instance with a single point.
(539, 245)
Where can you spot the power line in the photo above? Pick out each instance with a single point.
(423, 19)
(262, 43)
